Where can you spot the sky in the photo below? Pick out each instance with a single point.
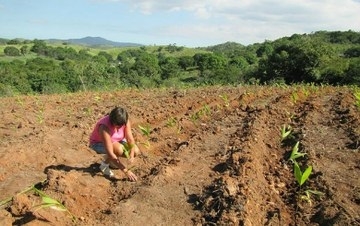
(188, 23)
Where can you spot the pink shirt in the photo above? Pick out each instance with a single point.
(115, 134)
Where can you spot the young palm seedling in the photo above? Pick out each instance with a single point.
(127, 148)
(295, 153)
(294, 97)
(225, 98)
(300, 176)
(357, 98)
(204, 111)
(171, 122)
(146, 130)
(285, 132)
(309, 193)
(47, 201)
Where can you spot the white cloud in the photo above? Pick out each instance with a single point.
(245, 21)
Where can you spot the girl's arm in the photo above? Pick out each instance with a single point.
(106, 138)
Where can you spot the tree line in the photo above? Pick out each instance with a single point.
(320, 58)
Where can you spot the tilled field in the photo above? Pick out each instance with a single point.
(214, 157)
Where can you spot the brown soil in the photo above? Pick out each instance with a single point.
(214, 157)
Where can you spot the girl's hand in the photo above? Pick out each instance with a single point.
(130, 175)
(131, 159)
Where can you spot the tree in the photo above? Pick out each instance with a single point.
(45, 76)
(14, 77)
(146, 65)
(13, 42)
(352, 52)
(39, 47)
(11, 51)
(209, 61)
(72, 72)
(107, 56)
(169, 68)
(352, 74)
(186, 62)
(295, 61)
(24, 50)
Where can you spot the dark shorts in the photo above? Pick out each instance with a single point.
(100, 147)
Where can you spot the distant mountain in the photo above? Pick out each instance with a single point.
(95, 41)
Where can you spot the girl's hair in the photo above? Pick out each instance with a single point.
(118, 116)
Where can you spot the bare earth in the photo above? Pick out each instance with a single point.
(214, 157)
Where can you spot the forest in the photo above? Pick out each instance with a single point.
(39, 67)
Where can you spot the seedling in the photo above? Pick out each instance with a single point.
(285, 132)
(305, 91)
(127, 149)
(47, 201)
(194, 117)
(40, 117)
(171, 122)
(146, 143)
(357, 98)
(295, 153)
(308, 193)
(300, 176)
(19, 101)
(97, 98)
(205, 110)
(294, 97)
(146, 130)
(225, 98)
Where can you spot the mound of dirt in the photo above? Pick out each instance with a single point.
(214, 156)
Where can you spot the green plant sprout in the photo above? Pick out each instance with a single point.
(285, 132)
(171, 122)
(97, 98)
(19, 101)
(300, 176)
(194, 117)
(305, 91)
(295, 153)
(7, 200)
(146, 144)
(127, 148)
(205, 110)
(47, 201)
(225, 98)
(294, 97)
(146, 130)
(308, 193)
(357, 98)
(40, 116)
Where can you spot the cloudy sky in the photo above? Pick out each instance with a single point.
(188, 23)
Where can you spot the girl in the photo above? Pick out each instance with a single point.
(110, 136)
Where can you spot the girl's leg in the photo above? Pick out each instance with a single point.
(118, 149)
